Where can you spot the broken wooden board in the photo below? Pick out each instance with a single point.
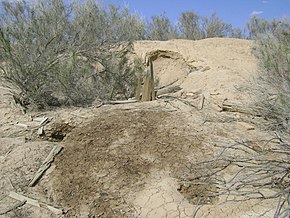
(44, 121)
(153, 94)
(78, 115)
(22, 125)
(40, 131)
(138, 89)
(162, 87)
(119, 102)
(229, 106)
(168, 90)
(14, 207)
(35, 203)
(46, 164)
(147, 89)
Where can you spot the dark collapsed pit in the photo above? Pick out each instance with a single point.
(58, 132)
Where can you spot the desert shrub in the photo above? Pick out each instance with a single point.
(33, 40)
(160, 28)
(192, 26)
(258, 26)
(111, 25)
(215, 27)
(272, 48)
(237, 33)
(124, 26)
(120, 80)
(51, 51)
(189, 25)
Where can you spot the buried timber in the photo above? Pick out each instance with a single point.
(106, 162)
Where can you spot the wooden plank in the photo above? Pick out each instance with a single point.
(38, 119)
(78, 115)
(162, 87)
(229, 106)
(40, 131)
(43, 121)
(152, 91)
(14, 207)
(22, 125)
(120, 102)
(35, 203)
(46, 164)
(146, 89)
(138, 89)
(168, 90)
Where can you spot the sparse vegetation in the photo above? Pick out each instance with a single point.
(272, 48)
(192, 26)
(52, 56)
(160, 28)
(261, 167)
(215, 27)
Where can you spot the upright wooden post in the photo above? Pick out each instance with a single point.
(138, 89)
(148, 88)
(152, 80)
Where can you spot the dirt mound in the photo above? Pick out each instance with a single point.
(110, 158)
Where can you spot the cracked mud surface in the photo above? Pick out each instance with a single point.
(112, 157)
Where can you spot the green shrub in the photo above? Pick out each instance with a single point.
(272, 48)
(51, 51)
(192, 26)
(160, 28)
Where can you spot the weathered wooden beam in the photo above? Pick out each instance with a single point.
(148, 93)
(138, 89)
(46, 164)
(152, 91)
(167, 90)
(167, 85)
(35, 203)
(146, 89)
(14, 207)
(120, 102)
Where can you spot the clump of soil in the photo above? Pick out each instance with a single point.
(199, 194)
(110, 157)
(59, 131)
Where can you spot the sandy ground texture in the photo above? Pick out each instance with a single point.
(134, 160)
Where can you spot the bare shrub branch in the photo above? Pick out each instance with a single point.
(249, 170)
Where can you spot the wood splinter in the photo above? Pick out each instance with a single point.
(46, 164)
(35, 203)
(14, 207)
